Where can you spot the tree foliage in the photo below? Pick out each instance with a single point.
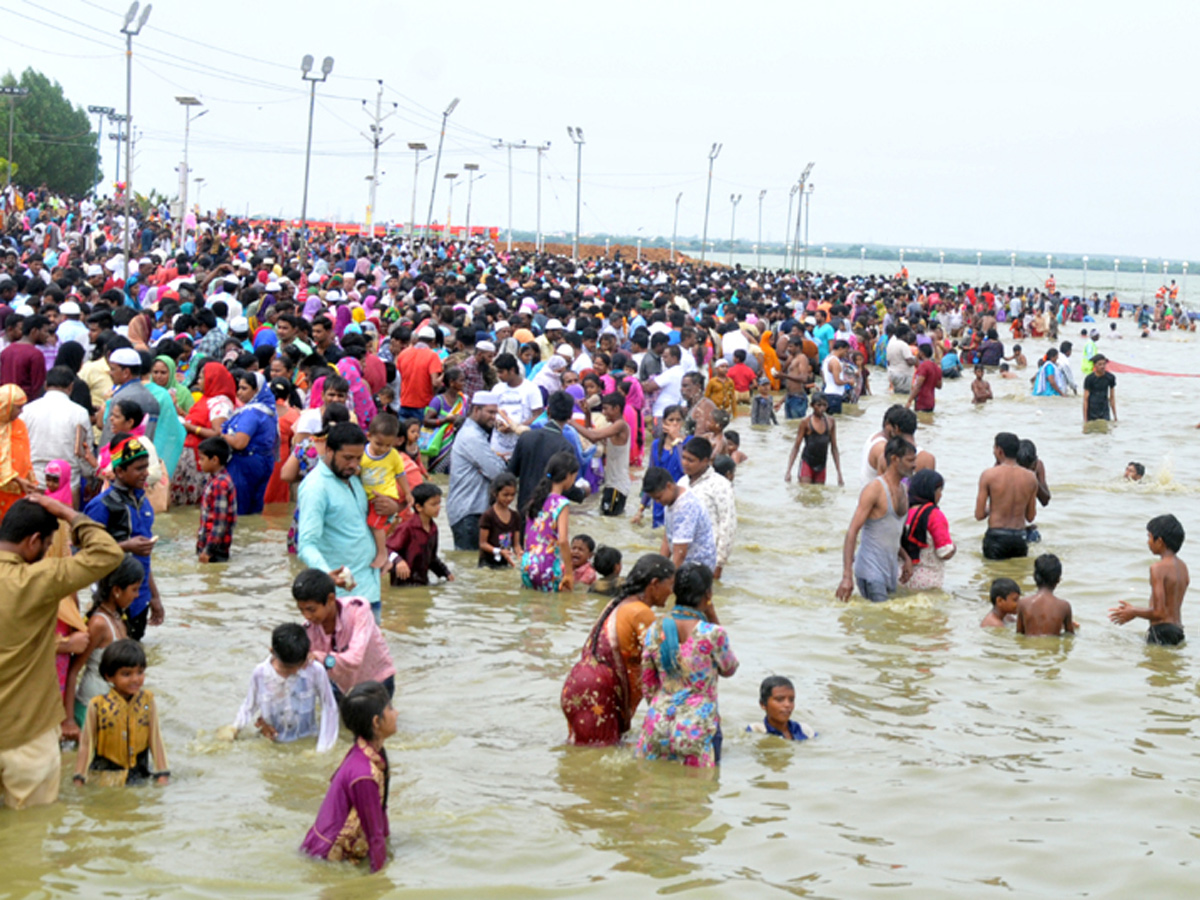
(53, 141)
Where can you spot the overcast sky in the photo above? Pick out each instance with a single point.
(1050, 126)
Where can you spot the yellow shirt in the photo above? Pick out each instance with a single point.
(379, 475)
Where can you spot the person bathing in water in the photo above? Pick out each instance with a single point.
(1007, 498)
(1168, 583)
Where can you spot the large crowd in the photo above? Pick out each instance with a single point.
(372, 381)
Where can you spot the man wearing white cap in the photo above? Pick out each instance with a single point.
(549, 338)
(71, 328)
(477, 369)
(420, 370)
(473, 465)
(125, 366)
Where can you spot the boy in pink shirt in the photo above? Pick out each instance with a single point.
(342, 634)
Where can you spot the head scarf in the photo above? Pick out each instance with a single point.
(183, 397)
(922, 488)
(139, 332)
(549, 376)
(217, 383)
(71, 355)
(344, 318)
(361, 402)
(12, 398)
(62, 469)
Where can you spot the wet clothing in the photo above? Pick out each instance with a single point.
(877, 562)
(1167, 634)
(1097, 388)
(352, 824)
(1005, 543)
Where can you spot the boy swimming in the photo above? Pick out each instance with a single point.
(1042, 613)
(777, 697)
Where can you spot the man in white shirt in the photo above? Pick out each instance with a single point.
(519, 402)
(666, 385)
(900, 361)
(53, 423)
(71, 328)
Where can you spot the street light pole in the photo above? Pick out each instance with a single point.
(1116, 276)
(129, 30)
(941, 264)
(675, 227)
(471, 168)
(450, 176)
(306, 65)
(437, 163)
(576, 135)
(807, 203)
(187, 103)
(978, 268)
(1085, 262)
(117, 119)
(377, 140)
(199, 187)
(418, 148)
(735, 200)
(712, 155)
(862, 261)
(787, 229)
(758, 262)
(1144, 281)
(1012, 270)
(799, 212)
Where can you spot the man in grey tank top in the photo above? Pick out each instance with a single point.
(882, 509)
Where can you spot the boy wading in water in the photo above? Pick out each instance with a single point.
(1007, 499)
(1168, 583)
(1042, 613)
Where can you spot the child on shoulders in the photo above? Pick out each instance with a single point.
(285, 690)
(121, 736)
(383, 475)
(777, 697)
(1005, 595)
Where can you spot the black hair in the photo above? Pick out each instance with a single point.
(335, 383)
(767, 688)
(131, 411)
(1169, 529)
(499, 483)
(560, 406)
(361, 706)
(128, 572)
(122, 654)
(561, 465)
(731, 437)
(1009, 444)
(384, 424)
(1026, 454)
(699, 448)
(333, 414)
(424, 492)
(649, 568)
(693, 582)
(896, 448)
(217, 448)
(345, 434)
(894, 414)
(505, 362)
(26, 519)
(60, 376)
(586, 540)
(1139, 468)
(605, 560)
(724, 465)
(290, 644)
(1047, 571)
(284, 390)
(1003, 587)
(656, 479)
(314, 586)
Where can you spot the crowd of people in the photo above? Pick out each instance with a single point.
(370, 381)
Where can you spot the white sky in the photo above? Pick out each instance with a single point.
(1053, 126)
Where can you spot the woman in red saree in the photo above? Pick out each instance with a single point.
(603, 690)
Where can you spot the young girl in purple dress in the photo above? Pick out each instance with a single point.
(352, 824)
(546, 563)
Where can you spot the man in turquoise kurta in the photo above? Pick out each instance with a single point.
(333, 529)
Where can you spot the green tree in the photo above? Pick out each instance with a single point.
(53, 141)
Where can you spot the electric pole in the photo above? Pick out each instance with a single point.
(376, 140)
(510, 146)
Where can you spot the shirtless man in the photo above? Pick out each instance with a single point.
(880, 564)
(700, 408)
(1169, 581)
(1007, 498)
(1042, 613)
(897, 422)
(797, 378)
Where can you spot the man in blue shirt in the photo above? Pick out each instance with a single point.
(125, 512)
(823, 334)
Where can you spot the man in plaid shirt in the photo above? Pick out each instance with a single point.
(218, 505)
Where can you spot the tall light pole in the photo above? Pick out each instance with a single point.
(450, 176)
(1183, 289)
(735, 200)
(978, 268)
(807, 202)
(824, 251)
(117, 119)
(799, 212)
(941, 264)
(576, 135)
(418, 148)
(1116, 275)
(471, 168)
(306, 65)
(101, 112)
(1049, 258)
(758, 262)
(712, 155)
(1085, 262)
(1144, 281)
(199, 187)
(377, 140)
(1165, 265)
(187, 103)
(787, 229)
(129, 29)
(437, 163)
(675, 227)
(1012, 270)
(862, 261)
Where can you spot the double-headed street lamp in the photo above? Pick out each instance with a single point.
(306, 65)
(450, 176)
(437, 163)
(734, 199)
(129, 29)
(187, 103)
(418, 148)
(712, 155)
(576, 135)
